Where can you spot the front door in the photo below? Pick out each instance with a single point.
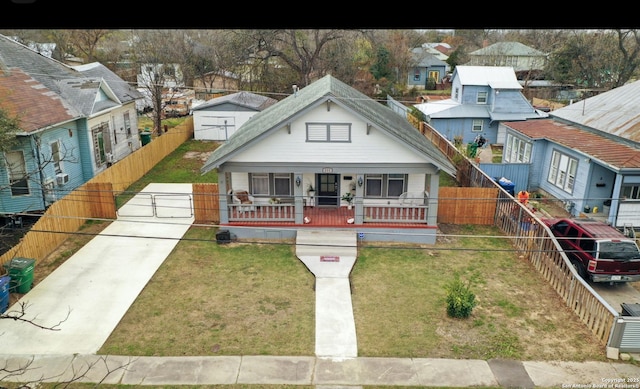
(327, 193)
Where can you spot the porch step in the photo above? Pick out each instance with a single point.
(330, 256)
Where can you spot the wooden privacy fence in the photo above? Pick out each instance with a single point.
(530, 236)
(95, 198)
(206, 203)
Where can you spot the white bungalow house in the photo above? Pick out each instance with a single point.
(331, 138)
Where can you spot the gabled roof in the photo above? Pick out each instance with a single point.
(84, 94)
(508, 48)
(607, 151)
(324, 89)
(422, 57)
(243, 99)
(614, 112)
(500, 77)
(123, 91)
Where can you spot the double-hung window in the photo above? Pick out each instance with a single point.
(18, 178)
(56, 157)
(481, 97)
(477, 125)
(562, 172)
(517, 150)
(385, 185)
(271, 184)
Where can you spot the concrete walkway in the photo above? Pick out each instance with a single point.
(330, 256)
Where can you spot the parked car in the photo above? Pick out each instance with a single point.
(598, 251)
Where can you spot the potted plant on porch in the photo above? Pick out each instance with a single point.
(348, 197)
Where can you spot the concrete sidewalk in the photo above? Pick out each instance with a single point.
(301, 370)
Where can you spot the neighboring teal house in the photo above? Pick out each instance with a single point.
(74, 123)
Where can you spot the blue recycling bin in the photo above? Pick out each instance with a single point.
(507, 185)
(4, 293)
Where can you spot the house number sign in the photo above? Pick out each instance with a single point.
(327, 170)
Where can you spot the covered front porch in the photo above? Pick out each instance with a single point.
(330, 198)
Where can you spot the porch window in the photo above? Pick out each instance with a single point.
(477, 125)
(385, 185)
(434, 75)
(562, 172)
(328, 132)
(481, 97)
(18, 178)
(271, 184)
(517, 150)
(630, 192)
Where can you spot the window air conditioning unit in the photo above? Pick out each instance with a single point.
(62, 178)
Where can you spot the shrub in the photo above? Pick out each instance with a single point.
(460, 299)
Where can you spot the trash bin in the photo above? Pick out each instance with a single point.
(472, 149)
(21, 272)
(507, 185)
(223, 236)
(145, 137)
(4, 293)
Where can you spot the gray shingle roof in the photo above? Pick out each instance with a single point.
(327, 88)
(244, 99)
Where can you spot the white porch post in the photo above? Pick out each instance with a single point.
(298, 197)
(358, 200)
(432, 201)
(222, 198)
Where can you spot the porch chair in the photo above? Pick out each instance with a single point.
(244, 199)
(413, 198)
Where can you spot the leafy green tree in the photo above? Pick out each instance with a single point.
(380, 68)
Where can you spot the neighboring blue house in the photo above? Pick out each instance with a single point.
(425, 66)
(587, 154)
(481, 98)
(73, 124)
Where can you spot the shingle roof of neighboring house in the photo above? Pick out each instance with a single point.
(31, 102)
(498, 77)
(327, 88)
(124, 91)
(423, 58)
(614, 112)
(82, 93)
(243, 99)
(605, 150)
(509, 48)
(46, 70)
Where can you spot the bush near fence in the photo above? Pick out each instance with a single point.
(95, 198)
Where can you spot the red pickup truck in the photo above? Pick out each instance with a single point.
(598, 251)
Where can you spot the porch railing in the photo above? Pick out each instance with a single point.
(262, 212)
(395, 213)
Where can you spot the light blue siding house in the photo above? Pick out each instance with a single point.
(481, 98)
(587, 155)
(73, 124)
(426, 69)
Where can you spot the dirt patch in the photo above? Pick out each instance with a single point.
(202, 156)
